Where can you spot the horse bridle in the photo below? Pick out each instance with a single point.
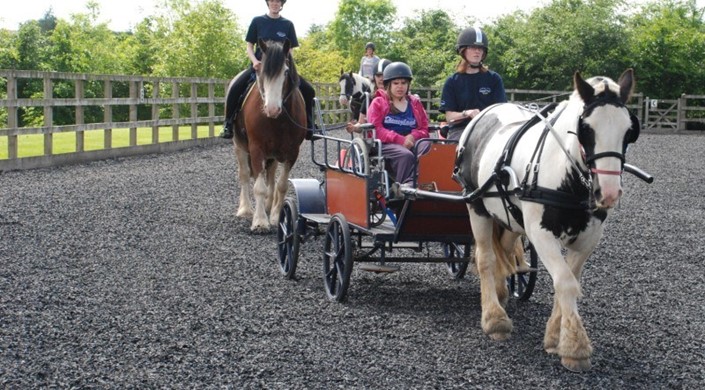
(589, 157)
(292, 89)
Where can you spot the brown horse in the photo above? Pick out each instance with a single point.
(269, 131)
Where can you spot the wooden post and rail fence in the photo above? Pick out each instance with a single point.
(108, 116)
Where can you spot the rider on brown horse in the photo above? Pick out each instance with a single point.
(274, 27)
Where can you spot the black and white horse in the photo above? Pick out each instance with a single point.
(554, 179)
(352, 91)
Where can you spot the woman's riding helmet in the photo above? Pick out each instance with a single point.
(370, 45)
(397, 70)
(472, 36)
(283, 1)
(381, 65)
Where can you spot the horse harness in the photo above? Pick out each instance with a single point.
(532, 192)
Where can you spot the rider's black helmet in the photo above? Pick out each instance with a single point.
(397, 70)
(472, 36)
(283, 1)
(381, 65)
(370, 45)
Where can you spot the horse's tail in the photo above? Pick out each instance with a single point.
(507, 258)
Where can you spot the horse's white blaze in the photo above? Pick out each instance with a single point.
(611, 124)
(343, 99)
(272, 101)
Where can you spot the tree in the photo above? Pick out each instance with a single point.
(543, 50)
(426, 43)
(318, 63)
(200, 41)
(359, 21)
(667, 42)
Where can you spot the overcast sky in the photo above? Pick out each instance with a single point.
(123, 15)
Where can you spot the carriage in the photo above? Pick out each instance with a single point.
(546, 177)
(365, 217)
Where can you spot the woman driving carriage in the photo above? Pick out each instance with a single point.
(274, 27)
(473, 87)
(400, 120)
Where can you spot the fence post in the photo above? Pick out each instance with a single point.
(12, 116)
(211, 107)
(194, 110)
(640, 108)
(48, 115)
(80, 135)
(108, 114)
(155, 112)
(133, 111)
(175, 114)
(681, 117)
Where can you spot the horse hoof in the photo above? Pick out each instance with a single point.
(244, 213)
(499, 336)
(499, 329)
(260, 229)
(576, 365)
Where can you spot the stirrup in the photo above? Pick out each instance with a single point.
(227, 132)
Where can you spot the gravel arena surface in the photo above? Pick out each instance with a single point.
(135, 273)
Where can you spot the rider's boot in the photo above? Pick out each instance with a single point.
(227, 132)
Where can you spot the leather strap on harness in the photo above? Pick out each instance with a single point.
(506, 160)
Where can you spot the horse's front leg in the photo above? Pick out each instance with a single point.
(565, 333)
(260, 223)
(244, 210)
(280, 193)
(271, 176)
(495, 322)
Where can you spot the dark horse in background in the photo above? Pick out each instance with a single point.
(269, 132)
(554, 179)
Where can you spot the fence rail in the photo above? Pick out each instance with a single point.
(159, 114)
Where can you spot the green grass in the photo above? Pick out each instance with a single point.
(33, 144)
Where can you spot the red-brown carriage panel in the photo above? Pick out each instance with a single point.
(437, 166)
(347, 194)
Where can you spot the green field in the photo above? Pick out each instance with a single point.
(33, 144)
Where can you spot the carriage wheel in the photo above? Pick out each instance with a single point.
(377, 214)
(288, 238)
(357, 156)
(521, 284)
(457, 251)
(337, 258)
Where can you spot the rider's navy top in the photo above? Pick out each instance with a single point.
(267, 28)
(401, 122)
(463, 91)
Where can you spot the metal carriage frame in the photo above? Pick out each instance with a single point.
(364, 217)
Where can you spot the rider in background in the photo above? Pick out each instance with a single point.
(400, 120)
(473, 87)
(274, 27)
(368, 62)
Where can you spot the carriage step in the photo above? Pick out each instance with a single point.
(378, 268)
